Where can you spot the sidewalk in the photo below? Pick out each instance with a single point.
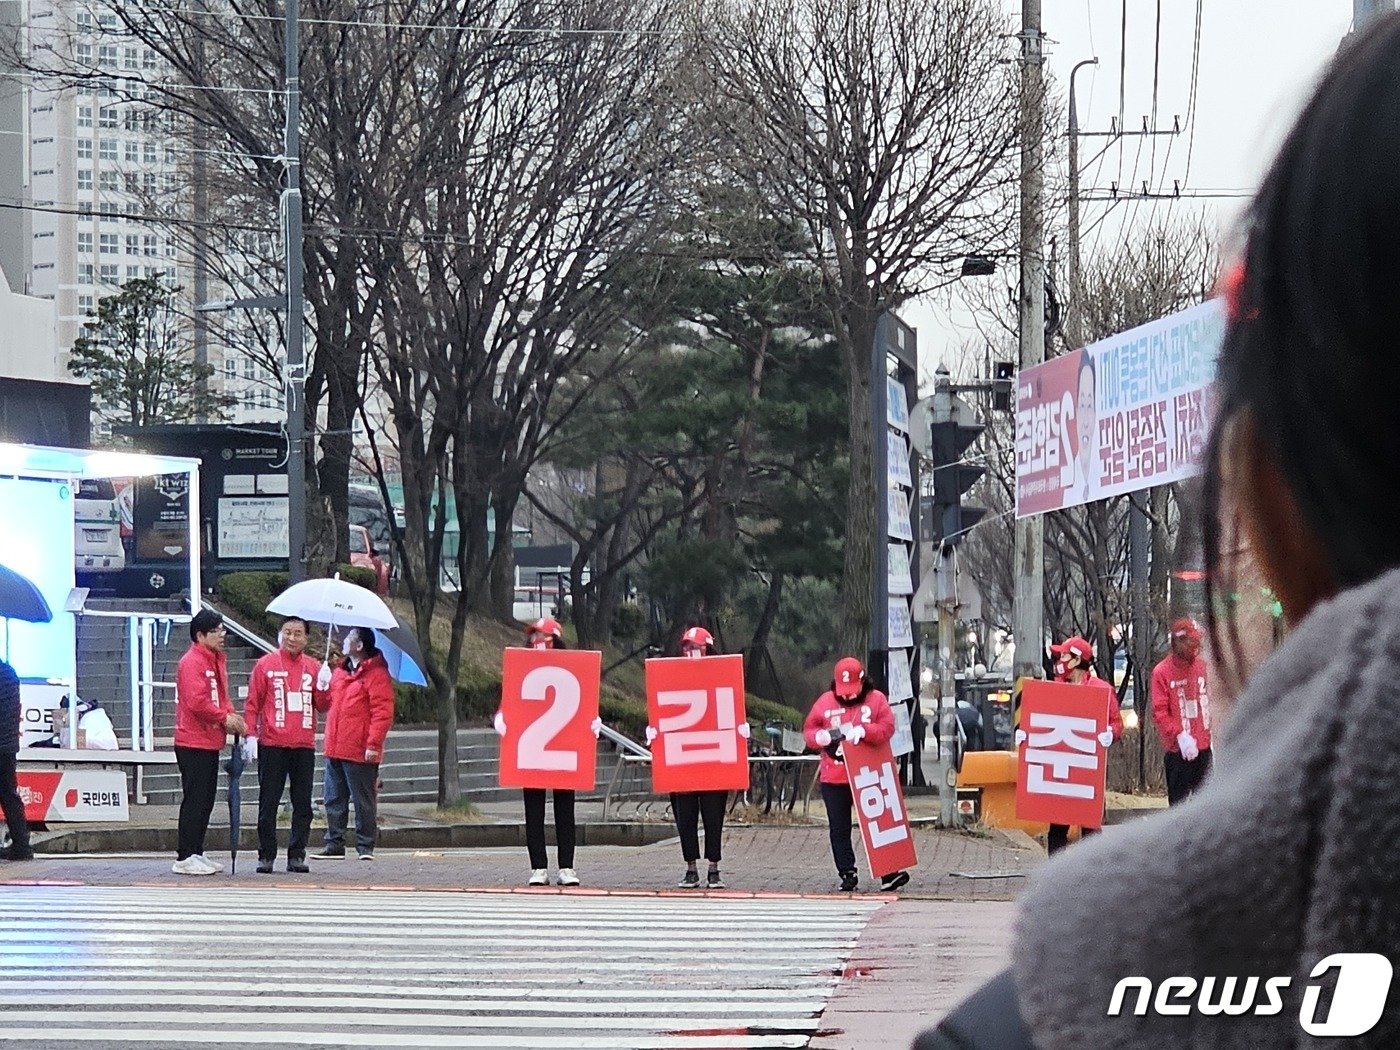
(757, 860)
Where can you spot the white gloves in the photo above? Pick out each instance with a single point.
(854, 734)
(1106, 738)
(597, 727)
(744, 730)
(323, 677)
(250, 749)
(1189, 748)
(652, 734)
(823, 738)
(1020, 737)
(500, 723)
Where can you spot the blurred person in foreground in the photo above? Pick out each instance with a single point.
(1289, 854)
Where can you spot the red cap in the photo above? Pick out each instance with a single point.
(848, 678)
(1185, 627)
(548, 625)
(1077, 646)
(697, 637)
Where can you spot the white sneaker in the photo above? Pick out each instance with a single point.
(568, 877)
(191, 866)
(213, 865)
(539, 877)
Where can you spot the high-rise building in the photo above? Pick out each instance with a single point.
(99, 180)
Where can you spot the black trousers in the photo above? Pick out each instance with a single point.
(345, 781)
(1059, 836)
(838, 802)
(689, 807)
(11, 803)
(565, 831)
(199, 781)
(275, 766)
(1183, 777)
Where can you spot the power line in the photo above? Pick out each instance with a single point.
(1191, 101)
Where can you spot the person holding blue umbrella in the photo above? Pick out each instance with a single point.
(361, 712)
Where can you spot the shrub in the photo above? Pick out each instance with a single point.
(629, 621)
(360, 575)
(247, 595)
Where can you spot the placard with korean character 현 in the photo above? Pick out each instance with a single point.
(873, 774)
(1062, 766)
(549, 698)
(697, 707)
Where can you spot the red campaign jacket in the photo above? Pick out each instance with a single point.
(278, 683)
(869, 709)
(361, 710)
(1180, 702)
(1115, 713)
(201, 699)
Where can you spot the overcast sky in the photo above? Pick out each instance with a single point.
(1258, 60)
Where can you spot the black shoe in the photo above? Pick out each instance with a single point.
(849, 881)
(264, 867)
(890, 883)
(298, 866)
(330, 853)
(13, 852)
(713, 881)
(691, 880)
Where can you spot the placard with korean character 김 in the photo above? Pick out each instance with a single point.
(697, 707)
(872, 771)
(549, 699)
(1062, 765)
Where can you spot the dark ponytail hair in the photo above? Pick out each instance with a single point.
(1309, 360)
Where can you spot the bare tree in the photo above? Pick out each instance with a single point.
(886, 128)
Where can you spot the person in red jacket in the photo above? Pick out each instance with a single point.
(204, 717)
(691, 807)
(547, 634)
(281, 716)
(361, 712)
(1075, 664)
(852, 710)
(1181, 709)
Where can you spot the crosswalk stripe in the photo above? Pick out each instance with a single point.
(200, 965)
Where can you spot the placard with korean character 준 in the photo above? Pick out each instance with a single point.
(697, 707)
(872, 771)
(1061, 766)
(549, 699)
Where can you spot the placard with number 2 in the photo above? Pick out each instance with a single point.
(549, 698)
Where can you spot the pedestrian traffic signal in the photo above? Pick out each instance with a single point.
(1003, 382)
(950, 519)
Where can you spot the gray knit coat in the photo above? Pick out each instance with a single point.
(1288, 854)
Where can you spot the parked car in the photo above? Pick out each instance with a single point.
(97, 527)
(532, 603)
(364, 555)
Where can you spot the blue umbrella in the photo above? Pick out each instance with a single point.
(20, 598)
(234, 768)
(403, 654)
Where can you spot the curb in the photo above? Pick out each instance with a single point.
(427, 836)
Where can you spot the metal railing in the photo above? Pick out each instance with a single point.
(777, 783)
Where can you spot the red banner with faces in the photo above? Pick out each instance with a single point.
(1062, 766)
(696, 707)
(878, 807)
(549, 699)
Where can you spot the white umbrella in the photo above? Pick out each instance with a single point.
(337, 602)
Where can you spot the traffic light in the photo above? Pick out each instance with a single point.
(950, 518)
(1003, 382)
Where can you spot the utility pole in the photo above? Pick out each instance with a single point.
(1364, 12)
(1074, 334)
(296, 311)
(1029, 564)
(200, 282)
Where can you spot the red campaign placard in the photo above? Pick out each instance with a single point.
(697, 706)
(1061, 767)
(549, 698)
(873, 774)
(36, 791)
